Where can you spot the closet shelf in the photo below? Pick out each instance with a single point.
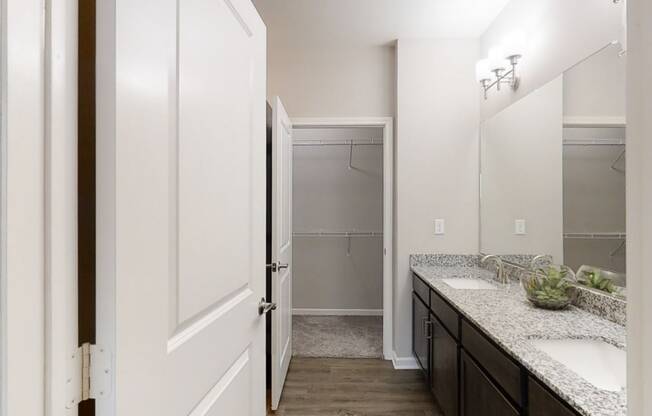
(596, 236)
(339, 142)
(337, 234)
(594, 142)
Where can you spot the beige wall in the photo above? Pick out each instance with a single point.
(559, 34)
(326, 81)
(522, 175)
(436, 160)
(639, 207)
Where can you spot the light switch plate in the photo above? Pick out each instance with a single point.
(440, 226)
(519, 227)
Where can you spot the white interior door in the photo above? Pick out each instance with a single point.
(281, 248)
(181, 206)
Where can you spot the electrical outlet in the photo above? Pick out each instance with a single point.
(519, 227)
(440, 226)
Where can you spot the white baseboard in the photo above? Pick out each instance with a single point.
(405, 363)
(342, 312)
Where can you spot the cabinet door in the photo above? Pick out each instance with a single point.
(543, 403)
(479, 395)
(443, 369)
(420, 335)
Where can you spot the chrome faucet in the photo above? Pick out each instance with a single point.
(500, 266)
(535, 260)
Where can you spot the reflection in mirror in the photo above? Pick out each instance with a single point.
(553, 173)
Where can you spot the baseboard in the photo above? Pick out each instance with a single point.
(342, 312)
(405, 363)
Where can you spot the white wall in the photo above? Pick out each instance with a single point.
(559, 34)
(596, 86)
(320, 81)
(526, 138)
(639, 207)
(436, 160)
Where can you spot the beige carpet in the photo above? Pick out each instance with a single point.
(337, 336)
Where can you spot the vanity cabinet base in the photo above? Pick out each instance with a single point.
(468, 373)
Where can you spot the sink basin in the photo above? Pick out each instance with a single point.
(463, 283)
(596, 361)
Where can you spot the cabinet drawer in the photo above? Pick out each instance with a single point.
(542, 403)
(446, 314)
(506, 373)
(421, 288)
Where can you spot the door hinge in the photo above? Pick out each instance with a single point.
(89, 374)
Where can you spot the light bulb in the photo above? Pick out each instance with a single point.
(482, 72)
(497, 61)
(514, 45)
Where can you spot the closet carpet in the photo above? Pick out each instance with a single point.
(337, 336)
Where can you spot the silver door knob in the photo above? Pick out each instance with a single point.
(264, 307)
(276, 266)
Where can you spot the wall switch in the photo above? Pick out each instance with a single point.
(440, 226)
(519, 227)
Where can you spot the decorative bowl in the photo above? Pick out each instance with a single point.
(551, 287)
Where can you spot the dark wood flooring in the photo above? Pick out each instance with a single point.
(353, 387)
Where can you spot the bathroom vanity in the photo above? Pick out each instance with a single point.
(487, 351)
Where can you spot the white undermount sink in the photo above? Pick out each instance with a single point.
(596, 361)
(471, 283)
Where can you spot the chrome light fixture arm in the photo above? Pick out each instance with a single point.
(503, 77)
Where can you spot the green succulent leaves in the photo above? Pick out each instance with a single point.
(549, 288)
(595, 280)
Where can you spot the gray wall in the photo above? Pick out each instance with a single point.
(331, 197)
(594, 202)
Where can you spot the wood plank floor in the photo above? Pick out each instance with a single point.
(353, 387)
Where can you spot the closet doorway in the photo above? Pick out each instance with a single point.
(342, 237)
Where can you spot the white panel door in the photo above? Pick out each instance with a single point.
(181, 206)
(281, 248)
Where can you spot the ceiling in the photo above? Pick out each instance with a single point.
(375, 22)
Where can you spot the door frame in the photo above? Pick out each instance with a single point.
(38, 205)
(387, 124)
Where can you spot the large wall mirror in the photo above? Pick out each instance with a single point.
(553, 171)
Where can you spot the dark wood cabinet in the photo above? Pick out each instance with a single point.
(468, 373)
(494, 361)
(479, 395)
(444, 382)
(421, 333)
(543, 403)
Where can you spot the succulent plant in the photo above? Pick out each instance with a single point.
(549, 287)
(595, 280)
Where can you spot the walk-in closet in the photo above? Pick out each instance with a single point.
(337, 291)
(594, 197)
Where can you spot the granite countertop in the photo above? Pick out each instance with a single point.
(507, 317)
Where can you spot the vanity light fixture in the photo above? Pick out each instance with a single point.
(499, 68)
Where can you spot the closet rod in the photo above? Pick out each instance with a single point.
(596, 236)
